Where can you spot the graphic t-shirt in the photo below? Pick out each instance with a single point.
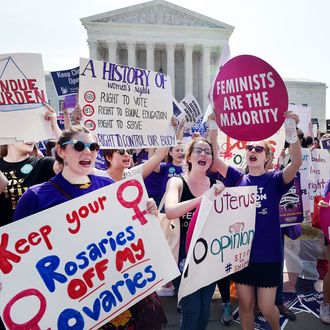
(267, 242)
(22, 175)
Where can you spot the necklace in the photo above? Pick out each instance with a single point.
(83, 185)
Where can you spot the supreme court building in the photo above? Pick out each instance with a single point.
(161, 36)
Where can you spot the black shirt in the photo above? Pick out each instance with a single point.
(22, 175)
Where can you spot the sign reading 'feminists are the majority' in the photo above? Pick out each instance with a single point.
(249, 98)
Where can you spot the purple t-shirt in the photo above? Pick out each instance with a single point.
(267, 242)
(43, 196)
(156, 182)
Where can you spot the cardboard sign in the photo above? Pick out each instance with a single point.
(81, 263)
(66, 82)
(126, 107)
(249, 99)
(22, 94)
(222, 238)
(305, 117)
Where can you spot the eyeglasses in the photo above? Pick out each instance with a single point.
(258, 149)
(122, 152)
(198, 151)
(81, 146)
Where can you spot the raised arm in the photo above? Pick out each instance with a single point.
(218, 165)
(52, 118)
(292, 168)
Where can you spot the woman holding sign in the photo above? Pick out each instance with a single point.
(182, 196)
(76, 150)
(264, 270)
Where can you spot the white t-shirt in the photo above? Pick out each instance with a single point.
(128, 172)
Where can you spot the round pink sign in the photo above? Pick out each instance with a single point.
(249, 99)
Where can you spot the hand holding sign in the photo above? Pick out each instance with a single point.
(249, 98)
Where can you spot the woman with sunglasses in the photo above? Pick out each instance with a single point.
(191, 187)
(263, 273)
(76, 150)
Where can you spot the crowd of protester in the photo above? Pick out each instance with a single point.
(32, 182)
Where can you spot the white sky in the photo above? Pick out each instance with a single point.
(291, 35)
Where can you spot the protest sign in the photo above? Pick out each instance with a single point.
(319, 173)
(325, 218)
(325, 144)
(125, 106)
(312, 302)
(305, 179)
(222, 238)
(249, 99)
(81, 263)
(22, 94)
(191, 109)
(305, 117)
(233, 151)
(66, 82)
(291, 206)
(177, 110)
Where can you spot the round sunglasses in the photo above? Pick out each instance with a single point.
(258, 149)
(81, 146)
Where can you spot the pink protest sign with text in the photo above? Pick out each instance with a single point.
(325, 218)
(249, 98)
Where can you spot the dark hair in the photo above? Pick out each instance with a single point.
(108, 153)
(50, 144)
(308, 141)
(169, 158)
(3, 150)
(67, 135)
(190, 148)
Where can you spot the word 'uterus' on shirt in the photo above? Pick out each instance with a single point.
(123, 285)
(20, 91)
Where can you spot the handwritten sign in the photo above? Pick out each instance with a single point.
(233, 151)
(66, 82)
(192, 110)
(249, 99)
(222, 238)
(126, 107)
(22, 93)
(83, 262)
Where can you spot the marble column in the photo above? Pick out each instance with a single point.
(93, 52)
(170, 49)
(112, 51)
(150, 50)
(206, 75)
(131, 59)
(188, 67)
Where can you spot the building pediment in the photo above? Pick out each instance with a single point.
(157, 12)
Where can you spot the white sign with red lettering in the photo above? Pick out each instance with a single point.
(233, 151)
(81, 263)
(222, 238)
(22, 94)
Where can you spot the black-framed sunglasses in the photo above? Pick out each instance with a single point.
(258, 149)
(122, 152)
(81, 146)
